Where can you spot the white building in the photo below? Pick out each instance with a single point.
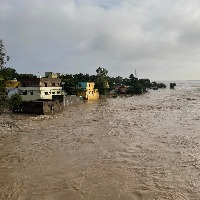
(39, 88)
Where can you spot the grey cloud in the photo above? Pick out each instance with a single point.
(159, 38)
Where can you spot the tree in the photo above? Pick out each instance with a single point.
(70, 83)
(146, 83)
(4, 104)
(25, 76)
(15, 102)
(132, 79)
(8, 73)
(134, 86)
(3, 57)
(3, 76)
(101, 81)
(81, 77)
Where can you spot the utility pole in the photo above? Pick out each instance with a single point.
(135, 73)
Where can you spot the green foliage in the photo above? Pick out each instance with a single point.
(2, 87)
(101, 80)
(161, 85)
(135, 88)
(8, 73)
(15, 102)
(70, 83)
(133, 79)
(2, 54)
(146, 83)
(102, 72)
(112, 82)
(158, 85)
(81, 77)
(25, 76)
(4, 103)
(3, 57)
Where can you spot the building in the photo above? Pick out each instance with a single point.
(87, 90)
(42, 107)
(52, 75)
(120, 89)
(32, 89)
(12, 87)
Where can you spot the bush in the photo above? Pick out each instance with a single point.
(4, 104)
(135, 89)
(15, 102)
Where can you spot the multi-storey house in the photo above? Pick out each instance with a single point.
(87, 90)
(39, 88)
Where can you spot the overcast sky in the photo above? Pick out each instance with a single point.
(158, 38)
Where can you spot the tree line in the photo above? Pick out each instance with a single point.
(103, 82)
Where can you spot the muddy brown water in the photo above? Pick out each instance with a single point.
(141, 147)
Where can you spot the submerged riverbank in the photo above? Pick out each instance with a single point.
(141, 147)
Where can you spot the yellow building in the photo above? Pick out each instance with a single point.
(11, 87)
(12, 83)
(87, 91)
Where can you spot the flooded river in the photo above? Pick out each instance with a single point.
(138, 148)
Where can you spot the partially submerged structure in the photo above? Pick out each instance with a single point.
(87, 90)
(32, 89)
(41, 95)
(120, 89)
(172, 85)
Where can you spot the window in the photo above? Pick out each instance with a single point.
(89, 92)
(89, 85)
(53, 84)
(58, 92)
(46, 93)
(24, 92)
(45, 84)
(58, 83)
(23, 84)
(92, 92)
(31, 91)
(79, 85)
(53, 92)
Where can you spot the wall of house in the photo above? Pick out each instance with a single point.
(36, 93)
(42, 107)
(82, 85)
(10, 91)
(89, 95)
(50, 82)
(29, 82)
(85, 85)
(93, 96)
(40, 82)
(90, 86)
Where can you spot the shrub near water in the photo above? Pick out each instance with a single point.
(137, 88)
(4, 104)
(15, 102)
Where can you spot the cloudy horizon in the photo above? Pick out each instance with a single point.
(160, 39)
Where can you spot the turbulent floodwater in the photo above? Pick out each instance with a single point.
(141, 147)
